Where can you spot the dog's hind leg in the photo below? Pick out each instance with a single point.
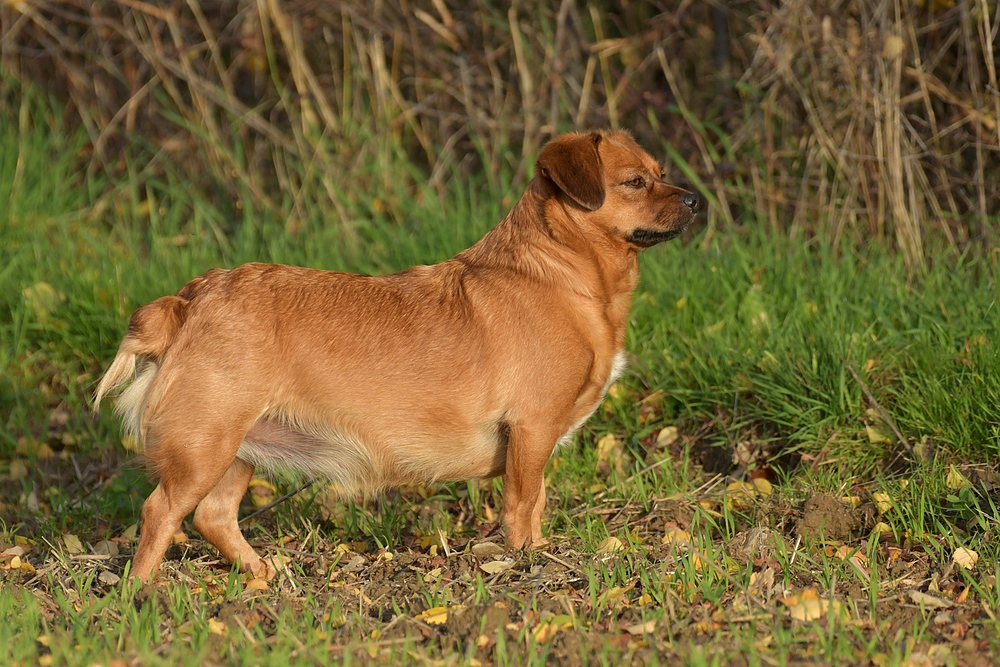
(217, 519)
(190, 467)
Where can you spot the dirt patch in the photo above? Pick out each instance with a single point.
(827, 517)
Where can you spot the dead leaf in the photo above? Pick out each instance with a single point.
(641, 628)
(256, 584)
(967, 558)
(883, 501)
(667, 436)
(496, 566)
(106, 548)
(677, 537)
(179, 538)
(18, 469)
(611, 545)
(262, 491)
(108, 578)
(436, 615)
(762, 486)
(73, 544)
(929, 601)
(739, 495)
(217, 627)
(876, 436)
(617, 592)
(807, 605)
(893, 47)
(485, 550)
(548, 628)
(42, 299)
(609, 449)
(955, 480)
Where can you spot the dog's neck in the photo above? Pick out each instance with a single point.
(538, 238)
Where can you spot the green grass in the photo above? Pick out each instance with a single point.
(747, 342)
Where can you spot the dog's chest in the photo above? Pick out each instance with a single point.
(586, 405)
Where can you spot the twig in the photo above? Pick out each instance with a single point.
(881, 411)
(278, 501)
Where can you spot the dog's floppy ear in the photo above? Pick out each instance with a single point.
(573, 164)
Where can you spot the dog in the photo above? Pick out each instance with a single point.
(472, 368)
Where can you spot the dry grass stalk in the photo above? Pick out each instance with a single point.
(829, 130)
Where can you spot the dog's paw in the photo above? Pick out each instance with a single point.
(275, 565)
(539, 544)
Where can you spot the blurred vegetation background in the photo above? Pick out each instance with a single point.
(851, 120)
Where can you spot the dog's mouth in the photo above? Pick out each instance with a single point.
(646, 238)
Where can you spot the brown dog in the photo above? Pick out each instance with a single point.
(472, 368)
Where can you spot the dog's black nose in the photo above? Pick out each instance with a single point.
(692, 201)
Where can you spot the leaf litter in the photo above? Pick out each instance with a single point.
(636, 590)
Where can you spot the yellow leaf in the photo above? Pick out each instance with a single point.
(435, 615)
(256, 584)
(262, 482)
(681, 302)
(955, 480)
(617, 592)
(677, 537)
(73, 544)
(608, 446)
(807, 605)
(611, 545)
(18, 469)
(876, 436)
(667, 436)
(44, 640)
(131, 443)
(763, 487)
(41, 299)
(547, 629)
(853, 501)
(967, 558)
(893, 47)
(45, 660)
(740, 495)
(641, 628)
(883, 501)
(881, 527)
(179, 538)
(217, 627)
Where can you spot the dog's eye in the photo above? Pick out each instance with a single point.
(637, 182)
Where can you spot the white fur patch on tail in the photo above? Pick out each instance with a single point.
(119, 372)
(132, 402)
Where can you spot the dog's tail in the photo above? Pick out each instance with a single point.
(150, 333)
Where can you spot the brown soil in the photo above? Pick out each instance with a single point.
(828, 518)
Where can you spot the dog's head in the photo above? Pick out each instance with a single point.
(607, 180)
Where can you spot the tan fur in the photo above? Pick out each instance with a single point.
(471, 368)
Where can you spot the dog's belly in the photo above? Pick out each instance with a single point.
(359, 463)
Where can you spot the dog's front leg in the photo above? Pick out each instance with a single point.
(528, 452)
